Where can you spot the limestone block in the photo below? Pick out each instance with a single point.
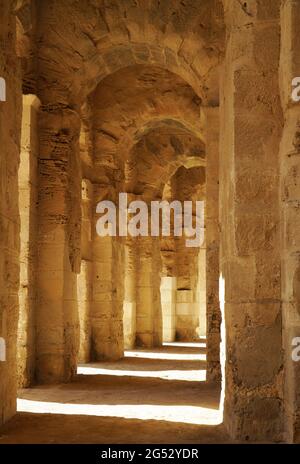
(184, 296)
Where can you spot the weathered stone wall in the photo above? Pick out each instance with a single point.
(10, 130)
(27, 17)
(290, 212)
(251, 125)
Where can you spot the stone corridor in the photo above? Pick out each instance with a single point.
(164, 103)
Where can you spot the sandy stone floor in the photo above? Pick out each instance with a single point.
(157, 396)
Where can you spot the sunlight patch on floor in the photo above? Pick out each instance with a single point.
(187, 375)
(171, 356)
(168, 370)
(182, 414)
(200, 344)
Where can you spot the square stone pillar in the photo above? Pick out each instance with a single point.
(187, 315)
(251, 125)
(213, 314)
(201, 292)
(129, 304)
(28, 191)
(107, 286)
(187, 301)
(168, 305)
(148, 309)
(84, 279)
(59, 221)
(290, 214)
(84, 291)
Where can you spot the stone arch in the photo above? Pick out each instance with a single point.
(152, 97)
(120, 122)
(162, 147)
(158, 150)
(111, 38)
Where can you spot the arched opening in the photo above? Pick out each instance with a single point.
(183, 282)
(118, 117)
(146, 139)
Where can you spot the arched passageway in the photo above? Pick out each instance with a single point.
(151, 101)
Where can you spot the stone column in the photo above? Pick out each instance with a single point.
(251, 122)
(129, 305)
(168, 305)
(84, 280)
(59, 218)
(168, 286)
(28, 190)
(108, 295)
(201, 291)
(213, 314)
(187, 304)
(290, 214)
(148, 306)
(187, 315)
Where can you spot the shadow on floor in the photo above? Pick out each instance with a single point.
(52, 428)
(113, 406)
